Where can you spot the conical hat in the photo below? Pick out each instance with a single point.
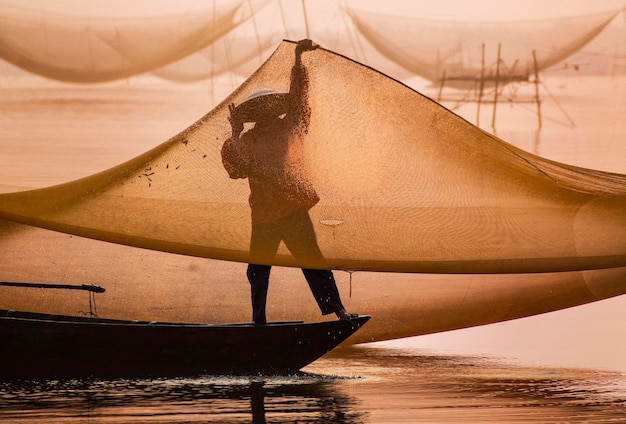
(263, 102)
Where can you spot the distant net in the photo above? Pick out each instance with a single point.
(459, 52)
(88, 49)
(404, 185)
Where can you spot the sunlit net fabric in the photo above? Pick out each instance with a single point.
(453, 50)
(89, 49)
(155, 286)
(404, 185)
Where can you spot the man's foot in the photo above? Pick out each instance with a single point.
(343, 314)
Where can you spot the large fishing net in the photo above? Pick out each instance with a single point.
(404, 185)
(86, 49)
(459, 53)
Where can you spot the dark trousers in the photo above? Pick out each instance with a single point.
(298, 234)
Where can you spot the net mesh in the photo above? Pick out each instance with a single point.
(155, 286)
(404, 185)
(241, 55)
(453, 50)
(87, 49)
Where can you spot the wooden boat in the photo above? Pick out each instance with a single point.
(38, 345)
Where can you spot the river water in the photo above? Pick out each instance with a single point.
(573, 373)
(361, 384)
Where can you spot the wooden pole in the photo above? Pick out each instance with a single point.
(443, 81)
(282, 16)
(88, 287)
(306, 19)
(537, 91)
(495, 94)
(481, 86)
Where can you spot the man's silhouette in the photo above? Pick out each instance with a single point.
(280, 192)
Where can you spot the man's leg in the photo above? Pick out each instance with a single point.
(300, 238)
(324, 289)
(259, 277)
(264, 242)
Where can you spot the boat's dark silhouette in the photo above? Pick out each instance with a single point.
(38, 345)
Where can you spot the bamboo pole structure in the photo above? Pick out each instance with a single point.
(441, 84)
(481, 84)
(495, 90)
(537, 91)
(306, 19)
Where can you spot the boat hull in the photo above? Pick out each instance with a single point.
(48, 346)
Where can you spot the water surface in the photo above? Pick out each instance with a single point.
(364, 384)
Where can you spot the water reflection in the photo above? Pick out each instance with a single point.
(413, 385)
(351, 385)
(221, 399)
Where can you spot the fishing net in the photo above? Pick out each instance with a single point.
(86, 49)
(404, 185)
(156, 286)
(459, 52)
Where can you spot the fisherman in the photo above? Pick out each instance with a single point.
(280, 193)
